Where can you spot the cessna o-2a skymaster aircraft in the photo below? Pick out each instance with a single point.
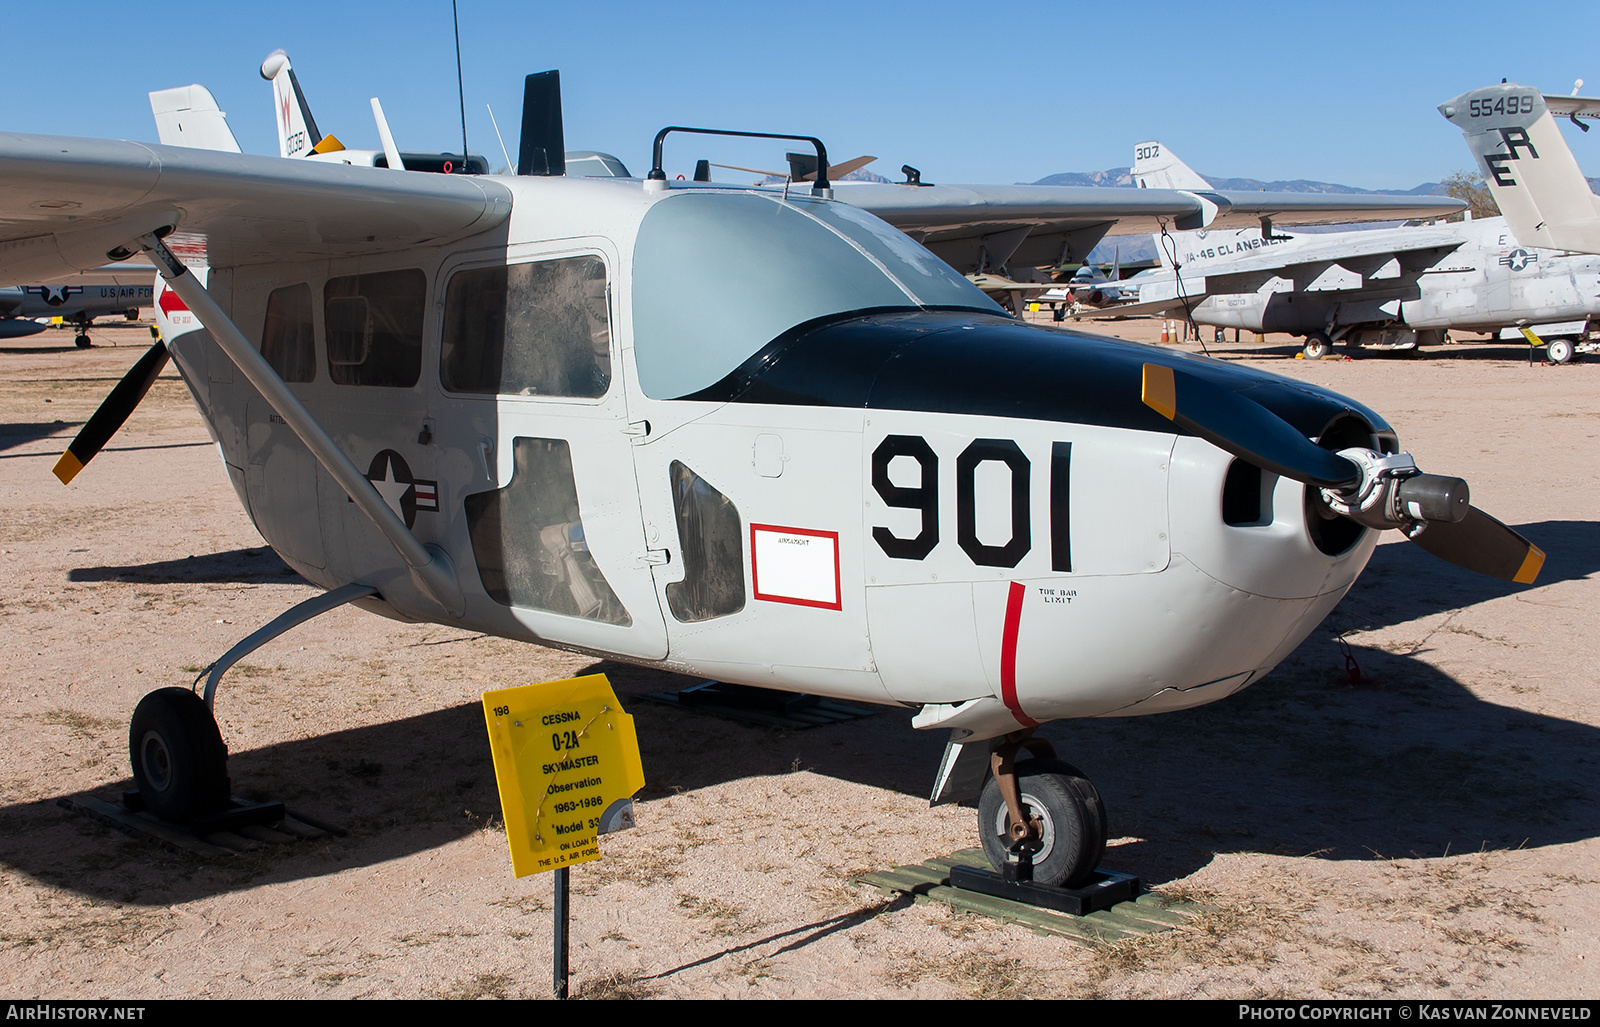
(533, 406)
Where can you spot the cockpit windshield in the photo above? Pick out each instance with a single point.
(716, 276)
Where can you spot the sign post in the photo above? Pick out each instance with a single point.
(566, 760)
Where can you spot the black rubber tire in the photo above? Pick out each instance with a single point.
(1560, 351)
(1317, 346)
(1090, 795)
(81, 341)
(1074, 831)
(179, 762)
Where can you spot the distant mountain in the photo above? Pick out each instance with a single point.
(1123, 178)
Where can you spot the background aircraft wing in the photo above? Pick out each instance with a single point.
(1342, 262)
(66, 202)
(974, 227)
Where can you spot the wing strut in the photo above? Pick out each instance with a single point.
(430, 567)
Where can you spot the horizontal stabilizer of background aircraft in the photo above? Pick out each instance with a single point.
(1529, 168)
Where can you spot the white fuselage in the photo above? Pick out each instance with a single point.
(994, 568)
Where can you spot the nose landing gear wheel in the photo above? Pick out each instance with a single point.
(81, 341)
(1560, 351)
(1317, 346)
(179, 761)
(1072, 821)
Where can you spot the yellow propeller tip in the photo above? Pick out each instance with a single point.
(1160, 390)
(67, 467)
(1531, 565)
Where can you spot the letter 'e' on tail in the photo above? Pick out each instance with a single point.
(1528, 166)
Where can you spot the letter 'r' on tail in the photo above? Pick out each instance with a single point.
(1156, 167)
(1528, 166)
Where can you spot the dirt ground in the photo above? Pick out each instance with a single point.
(1430, 832)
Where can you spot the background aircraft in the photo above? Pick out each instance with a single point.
(1000, 232)
(77, 300)
(1394, 288)
(1528, 166)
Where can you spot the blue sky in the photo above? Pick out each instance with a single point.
(1006, 92)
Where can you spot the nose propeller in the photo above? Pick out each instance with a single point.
(1373, 489)
(114, 410)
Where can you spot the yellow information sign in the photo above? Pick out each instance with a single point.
(567, 762)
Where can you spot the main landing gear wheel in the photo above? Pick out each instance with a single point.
(179, 761)
(1317, 346)
(1072, 821)
(1560, 351)
(81, 341)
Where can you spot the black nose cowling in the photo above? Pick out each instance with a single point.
(958, 361)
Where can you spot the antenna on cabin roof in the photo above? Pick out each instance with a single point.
(543, 150)
(461, 90)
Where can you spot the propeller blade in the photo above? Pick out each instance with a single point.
(838, 171)
(1244, 428)
(114, 410)
(753, 171)
(1480, 543)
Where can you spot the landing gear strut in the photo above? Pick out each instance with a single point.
(179, 761)
(1041, 811)
(81, 340)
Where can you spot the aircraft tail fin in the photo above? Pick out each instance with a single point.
(297, 129)
(1528, 166)
(1156, 167)
(189, 116)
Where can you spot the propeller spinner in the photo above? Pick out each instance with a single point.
(1375, 490)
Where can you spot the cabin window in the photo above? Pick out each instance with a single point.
(373, 324)
(712, 544)
(539, 329)
(528, 539)
(286, 338)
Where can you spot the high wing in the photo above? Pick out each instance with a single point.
(66, 203)
(980, 227)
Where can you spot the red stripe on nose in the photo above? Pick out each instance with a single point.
(1008, 655)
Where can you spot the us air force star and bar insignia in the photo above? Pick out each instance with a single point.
(1519, 258)
(567, 762)
(391, 476)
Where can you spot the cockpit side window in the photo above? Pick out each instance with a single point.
(537, 329)
(373, 324)
(286, 338)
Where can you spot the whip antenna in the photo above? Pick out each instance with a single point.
(461, 90)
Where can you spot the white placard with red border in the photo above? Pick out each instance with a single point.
(795, 565)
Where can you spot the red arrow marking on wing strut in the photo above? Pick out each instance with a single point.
(170, 301)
